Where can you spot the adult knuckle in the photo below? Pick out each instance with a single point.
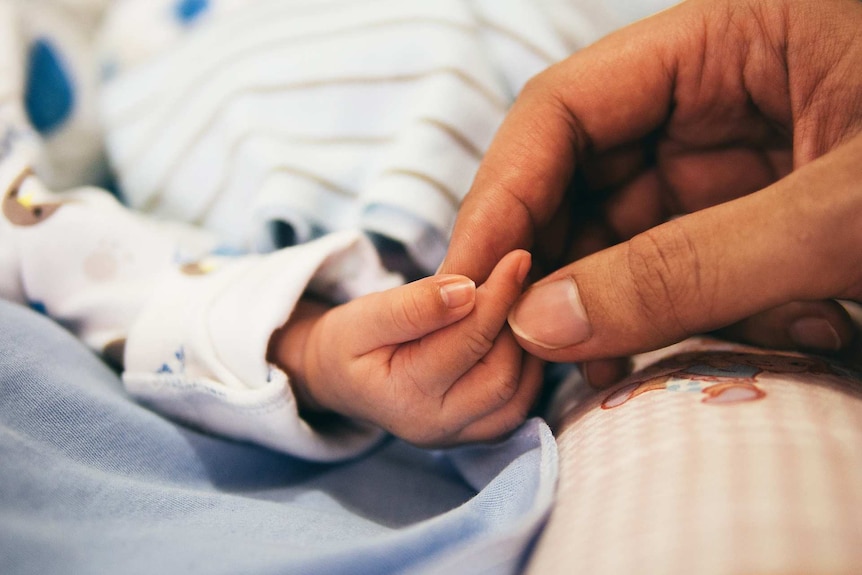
(667, 273)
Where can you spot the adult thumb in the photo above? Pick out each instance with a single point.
(703, 271)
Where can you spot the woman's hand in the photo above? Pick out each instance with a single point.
(699, 170)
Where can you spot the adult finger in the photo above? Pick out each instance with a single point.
(795, 240)
(606, 96)
(602, 373)
(819, 326)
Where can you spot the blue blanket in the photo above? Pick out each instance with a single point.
(91, 482)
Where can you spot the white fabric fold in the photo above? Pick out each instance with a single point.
(197, 351)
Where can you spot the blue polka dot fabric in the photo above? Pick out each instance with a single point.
(50, 93)
(188, 11)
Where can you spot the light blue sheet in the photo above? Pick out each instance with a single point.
(91, 482)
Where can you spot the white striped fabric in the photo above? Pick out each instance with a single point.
(324, 114)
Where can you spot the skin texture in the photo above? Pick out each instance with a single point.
(697, 171)
(432, 361)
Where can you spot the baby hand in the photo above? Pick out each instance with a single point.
(432, 362)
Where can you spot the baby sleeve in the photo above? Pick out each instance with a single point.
(197, 350)
(190, 325)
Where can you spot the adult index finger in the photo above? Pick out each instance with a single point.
(614, 92)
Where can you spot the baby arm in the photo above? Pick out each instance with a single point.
(432, 362)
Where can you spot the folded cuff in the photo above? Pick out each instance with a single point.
(198, 351)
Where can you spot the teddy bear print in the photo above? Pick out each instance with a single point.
(723, 377)
(105, 262)
(21, 209)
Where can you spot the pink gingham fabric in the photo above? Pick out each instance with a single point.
(673, 479)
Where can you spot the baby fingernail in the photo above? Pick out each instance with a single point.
(814, 333)
(458, 293)
(551, 315)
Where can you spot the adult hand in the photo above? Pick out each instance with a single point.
(702, 169)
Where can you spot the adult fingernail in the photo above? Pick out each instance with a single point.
(551, 315)
(458, 292)
(815, 333)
